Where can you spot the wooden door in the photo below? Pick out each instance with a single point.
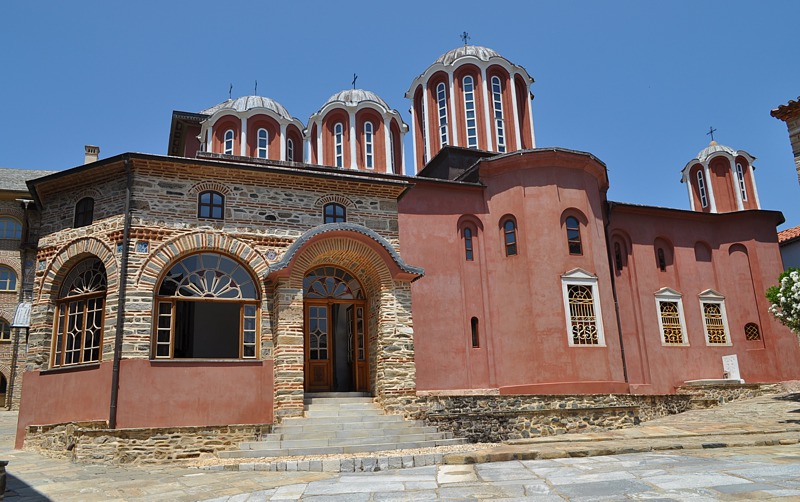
(318, 348)
(361, 366)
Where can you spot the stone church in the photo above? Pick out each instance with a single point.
(265, 258)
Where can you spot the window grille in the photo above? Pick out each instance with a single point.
(582, 315)
(714, 323)
(671, 327)
(751, 332)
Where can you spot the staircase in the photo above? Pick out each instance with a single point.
(342, 423)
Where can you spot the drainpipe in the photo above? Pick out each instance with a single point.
(15, 349)
(122, 284)
(609, 206)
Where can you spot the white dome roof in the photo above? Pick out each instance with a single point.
(713, 148)
(356, 96)
(482, 53)
(246, 103)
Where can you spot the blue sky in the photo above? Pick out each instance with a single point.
(636, 83)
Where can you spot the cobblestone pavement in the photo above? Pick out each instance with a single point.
(713, 473)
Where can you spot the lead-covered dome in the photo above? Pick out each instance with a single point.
(247, 103)
(482, 53)
(356, 96)
(713, 148)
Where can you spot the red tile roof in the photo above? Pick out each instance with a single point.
(788, 235)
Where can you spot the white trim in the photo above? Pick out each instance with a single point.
(426, 136)
(282, 142)
(517, 123)
(352, 140)
(691, 194)
(232, 139)
(736, 192)
(453, 114)
(243, 140)
(709, 188)
(387, 141)
(670, 295)
(710, 296)
(580, 277)
(486, 118)
(320, 151)
(412, 111)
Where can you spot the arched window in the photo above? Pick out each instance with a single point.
(263, 141)
(468, 251)
(228, 148)
(662, 261)
(84, 212)
(8, 279)
(617, 256)
(574, 235)
(289, 149)
(334, 213)
(499, 127)
(368, 152)
(751, 332)
(391, 151)
(701, 188)
(80, 311)
(338, 140)
(211, 204)
(441, 99)
(5, 330)
(208, 307)
(475, 335)
(715, 320)
(740, 179)
(581, 314)
(470, 116)
(10, 228)
(510, 236)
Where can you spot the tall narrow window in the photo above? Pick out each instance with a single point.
(701, 188)
(8, 279)
(499, 127)
(391, 150)
(740, 179)
(338, 141)
(617, 256)
(211, 205)
(715, 321)
(80, 311)
(469, 107)
(574, 235)
(670, 317)
(368, 146)
(10, 228)
(582, 307)
(468, 244)
(289, 149)
(334, 213)
(5, 331)
(662, 261)
(510, 237)
(84, 212)
(228, 148)
(441, 99)
(423, 126)
(263, 141)
(475, 338)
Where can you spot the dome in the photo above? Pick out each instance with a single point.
(713, 148)
(246, 103)
(356, 96)
(482, 53)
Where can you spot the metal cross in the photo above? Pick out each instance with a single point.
(355, 77)
(230, 91)
(255, 90)
(711, 132)
(465, 36)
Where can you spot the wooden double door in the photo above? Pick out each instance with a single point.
(336, 356)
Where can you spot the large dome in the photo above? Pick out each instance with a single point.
(482, 53)
(713, 148)
(246, 103)
(356, 96)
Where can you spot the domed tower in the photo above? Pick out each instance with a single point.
(252, 126)
(471, 97)
(721, 180)
(356, 129)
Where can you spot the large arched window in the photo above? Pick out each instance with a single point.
(469, 111)
(368, 146)
(441, 99)
(701, 189)
(334, 213)
(263, 142)
(499, 127)
(228, 147)
(574, 235)
(80, 311)
(207, 307)
(10, 228)
(211, 204)
(84, 212)
(8, 279)
(510, 236)
(338, 141)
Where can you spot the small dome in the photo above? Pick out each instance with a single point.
(246, 103)
(713, 148)
(356, 96)
(482, 53)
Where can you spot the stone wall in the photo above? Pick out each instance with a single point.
(92, 442)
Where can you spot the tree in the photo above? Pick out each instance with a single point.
(785, 299)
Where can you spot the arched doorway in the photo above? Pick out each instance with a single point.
(335, 339)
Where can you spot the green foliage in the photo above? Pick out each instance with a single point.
(785, 299)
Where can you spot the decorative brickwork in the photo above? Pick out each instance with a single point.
(338, 199)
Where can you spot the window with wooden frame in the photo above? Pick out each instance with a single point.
(10, 228)
(510, 236)
(5, 330)
(80, 314)
(207, 307)
(582, 308)
(671, 321)
(573, 235)
(715, 320)
(228, 143)
(469, 252)
(84, 212)
(334, 213)
(211, 204)
(8, 279)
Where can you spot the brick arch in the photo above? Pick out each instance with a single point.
(13, 265)
(90, 192)
(339, 199)
(71, 254)
(6, 371)
(210, 185)
(183, 245)
(15, 212)
(6, 315)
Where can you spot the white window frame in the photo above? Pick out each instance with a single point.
(262, 151)
(338, 142)
(369, 149)
(499, 125)
(289, 149)
(228, 144)
(710, 296)
(667, 295)
(701, 186)
(580, 277)
(441, 100)
(469, 107)
(740, 178)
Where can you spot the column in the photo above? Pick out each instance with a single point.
(453, 126)
(517, 123)
(243, 138)
(352, 118)
(424, 123)
(387, 140)
(709, 188)
(282, 141)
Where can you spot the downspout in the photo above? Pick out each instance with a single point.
(609, 206)
(14, 355)
(122, 284)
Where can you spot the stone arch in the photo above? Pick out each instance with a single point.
(338, 199)
(13, 265)
(169, 251)
(7, 315)
(210, 185)
(74, 252)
